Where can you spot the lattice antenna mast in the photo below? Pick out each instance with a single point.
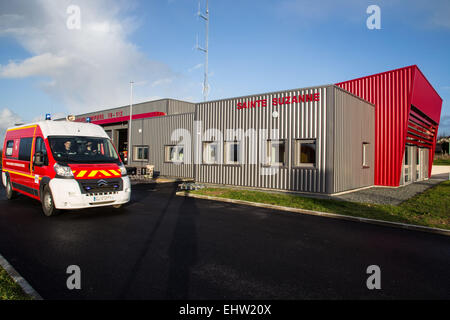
(205, 49)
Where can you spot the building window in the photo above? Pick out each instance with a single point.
(407, 155)
(418, 166)
(210, 152)
(365, 150)
(276, 152)
(174, 154)
(407, 166)
(9, 148)
(25, 149)
(140, 153)
(232, 152)
(305, 154)
(407, 176)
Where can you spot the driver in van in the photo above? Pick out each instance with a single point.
(67, 146)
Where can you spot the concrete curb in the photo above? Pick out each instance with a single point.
(26, 287)
(321, 214)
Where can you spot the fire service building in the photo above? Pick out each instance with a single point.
(375, 130)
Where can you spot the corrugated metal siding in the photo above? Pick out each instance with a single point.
(168, 106)
(295, 121)
(427, 100)
(177, 107)
(390, 92)
(144, 107)
(156, 133)
(354, 124)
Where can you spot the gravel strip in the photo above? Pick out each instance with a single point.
(393, 196)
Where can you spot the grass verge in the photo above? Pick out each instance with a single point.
(9, 290)
(430, 208)
(441, 162)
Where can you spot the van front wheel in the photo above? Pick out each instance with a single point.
(10, 193)
(48, 206)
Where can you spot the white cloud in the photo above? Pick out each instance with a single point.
(197, 66)
(162, 81)
(7, 119)
(41, 65)
(83, 69)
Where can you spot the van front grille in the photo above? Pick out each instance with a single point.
(100, 186)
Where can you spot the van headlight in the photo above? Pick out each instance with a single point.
(63, 171)
(123, 170)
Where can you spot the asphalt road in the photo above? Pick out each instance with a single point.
(167, 247)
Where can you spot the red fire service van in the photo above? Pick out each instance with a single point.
(65, 165)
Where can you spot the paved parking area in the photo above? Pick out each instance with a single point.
(392, 196)
(163, 246)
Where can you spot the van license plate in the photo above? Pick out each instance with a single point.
(102, 198)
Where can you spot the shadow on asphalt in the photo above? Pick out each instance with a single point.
(183, 248)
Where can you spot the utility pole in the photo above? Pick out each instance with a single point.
(205, 49)
(129, 123)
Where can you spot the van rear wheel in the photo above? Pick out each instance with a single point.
(48, 206)
(10, 193)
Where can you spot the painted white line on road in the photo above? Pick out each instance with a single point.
(26, 287)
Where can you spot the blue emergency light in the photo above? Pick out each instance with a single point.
(48, 116)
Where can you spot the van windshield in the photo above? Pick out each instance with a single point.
(82, 150)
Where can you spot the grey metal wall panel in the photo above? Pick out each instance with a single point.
(156, 134)
(329, 183)
(144, 107)
(295, 121)
(354, 123)
(168, 106)
(177, 107)
(116, 126)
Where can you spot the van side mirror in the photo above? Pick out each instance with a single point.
(39, 158)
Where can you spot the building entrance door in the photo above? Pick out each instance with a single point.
(419, 163)
(407, 165)
(122, 144)
(423, 169)
(415, 164)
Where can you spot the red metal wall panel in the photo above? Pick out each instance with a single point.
(392, 93)
(425, 98)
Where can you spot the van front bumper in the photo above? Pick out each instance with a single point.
(67, 195)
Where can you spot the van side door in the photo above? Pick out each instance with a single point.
(40, 161)
(23, 180)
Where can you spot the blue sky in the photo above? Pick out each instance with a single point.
(255, 46)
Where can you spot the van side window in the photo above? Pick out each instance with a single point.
(40, 147)
(9, 148)
(25, 149)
